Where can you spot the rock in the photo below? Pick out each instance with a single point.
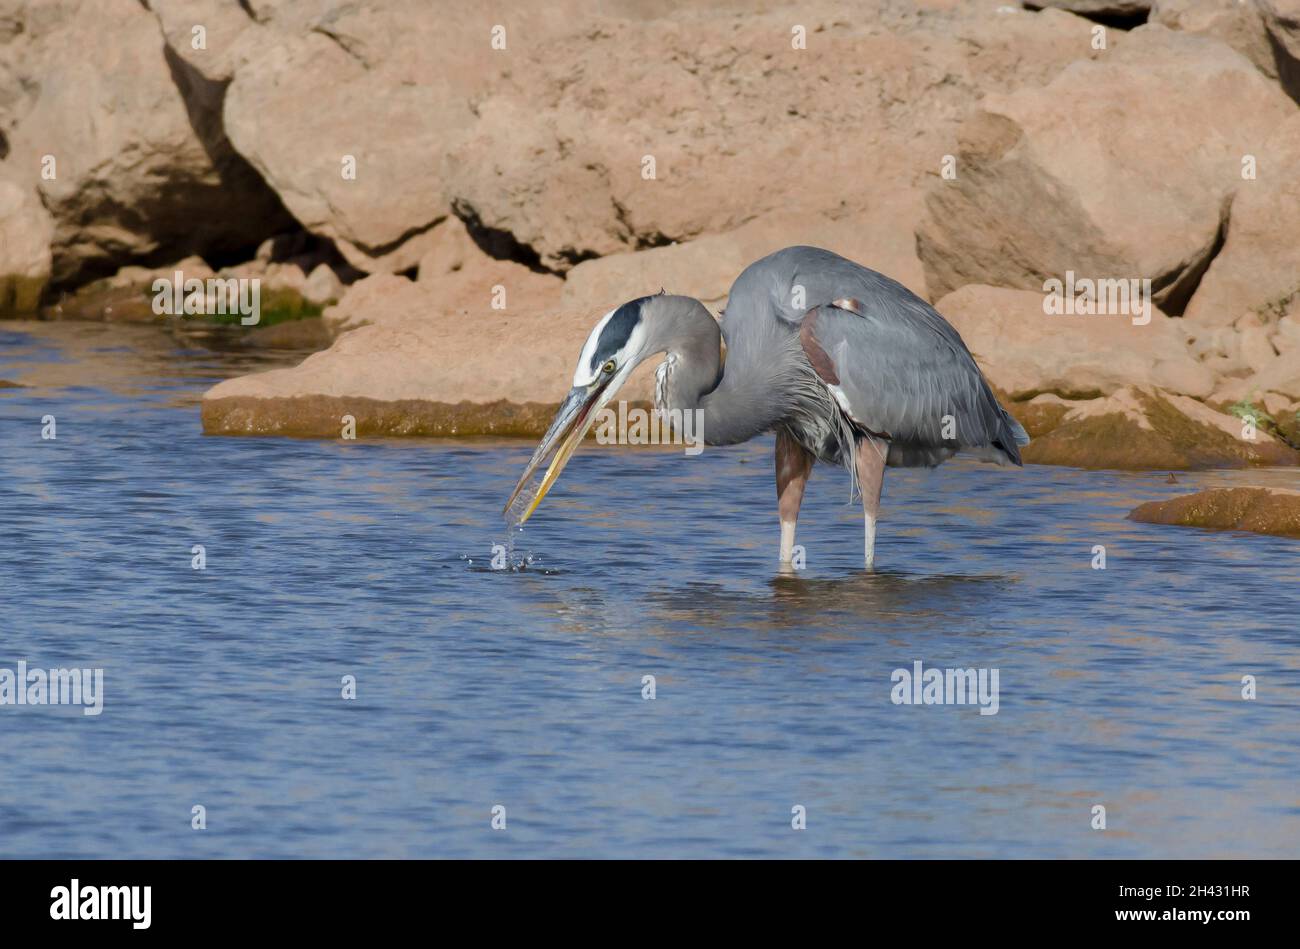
(126, 147)
(287, 276)
(127, 296)
(481, 288)
(345, 109)
(26, 230)
(1024, 351)
(1258, 268)
(1101, 8)
(322, 285)
(584, 151)
(1260, 510)
(1240, 25)
(706, 267)
(431, 374)
(1286, 336)
(1282, 374)
(1041, 414)
(379, 298)
(1282, 21)
(1146, 428)
(1085, 146)
(449, 249)
(1275, 403)
(1256, 351)
(229, 35)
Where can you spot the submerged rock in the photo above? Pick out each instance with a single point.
(1261, 510)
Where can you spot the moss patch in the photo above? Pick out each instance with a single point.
(1173, 441)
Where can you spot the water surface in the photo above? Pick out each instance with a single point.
(523, 688)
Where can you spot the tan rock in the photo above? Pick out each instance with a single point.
(1240, 25)
(449, 249)
(1097, 7)
(1260, 510)
(322, 285)
(127, 149)
(1275, 403)
(1286, 336)
(1282, 375)
(1256, 350)
(482, 290)
(26, 230)
(738, 124)
(1258, 267)
(1146, 428)
(1084, 146)
(285, 277)
(1025, 351)
(706, 267)
(430, 374)
(346, 109)
(1282, 20)
(212, 36)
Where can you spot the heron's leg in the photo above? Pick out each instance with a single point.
(870, 460)
(793, 464)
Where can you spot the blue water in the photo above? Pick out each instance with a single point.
(523, 688)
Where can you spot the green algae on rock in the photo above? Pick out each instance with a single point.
(1142, 427)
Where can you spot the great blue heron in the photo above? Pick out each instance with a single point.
(845, 365)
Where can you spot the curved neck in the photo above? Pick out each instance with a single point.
(733, 406)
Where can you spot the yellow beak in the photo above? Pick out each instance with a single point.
(571, 424)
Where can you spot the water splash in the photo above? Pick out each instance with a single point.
(508, 555)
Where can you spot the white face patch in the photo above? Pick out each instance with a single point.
(583, 376)
(598, 349)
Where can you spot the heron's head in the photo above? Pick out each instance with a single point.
(624, 338)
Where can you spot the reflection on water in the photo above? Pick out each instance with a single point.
(478, 687)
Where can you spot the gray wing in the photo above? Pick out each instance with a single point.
(894, 365)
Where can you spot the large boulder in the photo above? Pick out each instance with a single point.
(1260, 510)
(584, 150)
(1121, 167)
(1025, 351)
(346, 108)
(1142, 427)
(1258, 268)
(125, 144)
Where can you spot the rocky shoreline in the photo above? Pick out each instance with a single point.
(447, 229)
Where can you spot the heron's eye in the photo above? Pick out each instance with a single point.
(608, 367)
